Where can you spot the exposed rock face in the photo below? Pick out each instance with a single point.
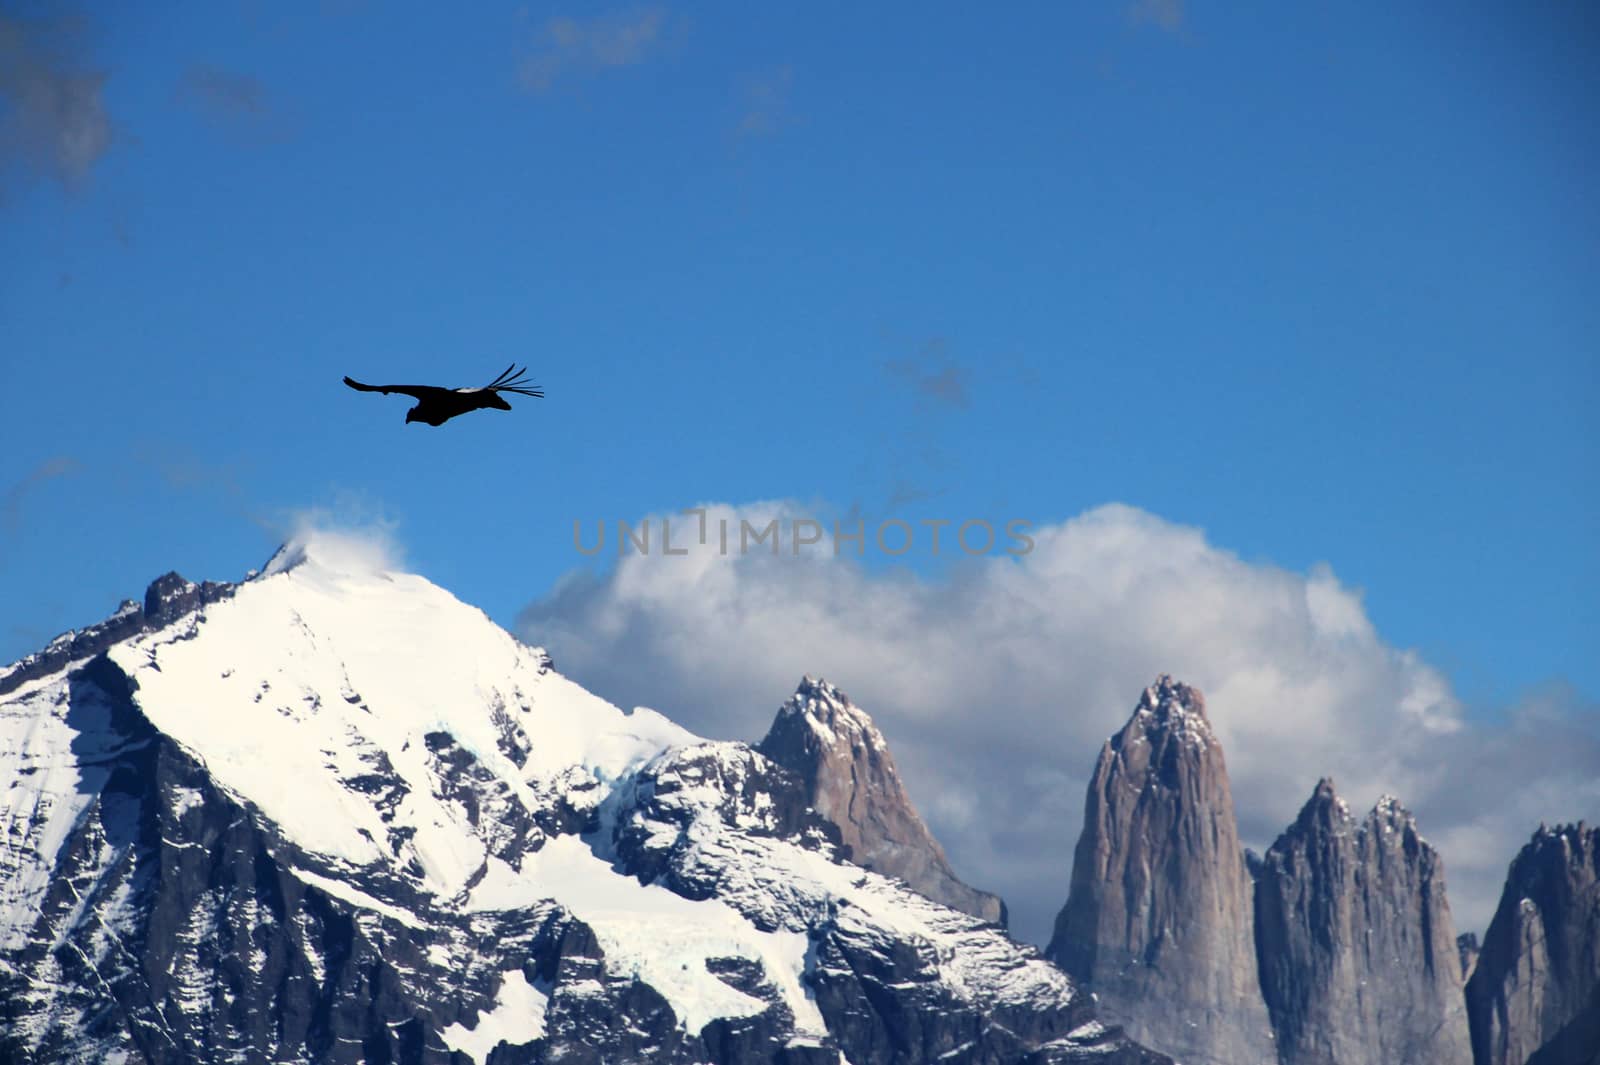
(1467, 949)
(1534, 995)
(850, 779)
(342, 818)
(1358, 953)
(1159, 922)
(167, 599)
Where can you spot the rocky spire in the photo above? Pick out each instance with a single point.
(851, 780)
(1358, 954)
(1534, 994)
(1158, 921)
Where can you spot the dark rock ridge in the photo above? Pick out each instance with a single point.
(850, 778)
(1358, 955)
(1534, 995)
(1467, 951)
(155, 910)
(1158, 921)
(167, 599)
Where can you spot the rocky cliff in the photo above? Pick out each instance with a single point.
(1159, 920)
(1534, 995)
(1357, 950)
(850, 778)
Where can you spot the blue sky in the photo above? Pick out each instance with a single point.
(1320, 283)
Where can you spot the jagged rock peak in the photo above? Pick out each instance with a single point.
(1569, 837)
(1324, 807)
(850, 779)
(1357, 952)
(829, 712)
(1176, 708)
(170, 597)
(1159, 907)
(167, 599)
(1389, 810)
(1327, 808)
(1534, 994)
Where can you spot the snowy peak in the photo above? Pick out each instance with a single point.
(830, 714)
(1172, 708)
(356, 699)
(850, 778)
(334, 814)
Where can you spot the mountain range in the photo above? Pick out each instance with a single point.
(1336, 946)
(332, 814)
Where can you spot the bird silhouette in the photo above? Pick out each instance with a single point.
(436, 405)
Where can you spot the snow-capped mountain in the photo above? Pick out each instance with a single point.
(332, 814)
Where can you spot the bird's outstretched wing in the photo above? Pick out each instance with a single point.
(418, 391)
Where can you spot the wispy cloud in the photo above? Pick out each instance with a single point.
(932, 374)
(348, 537)
(183, 469)
(567, 47)
(997, 686)
(904, 495)
(1163, 14)
(53, 120)
(11, 503)
(916, 457)
(231, 100)
(766, 103)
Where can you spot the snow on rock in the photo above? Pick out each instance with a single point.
(332, 684)
(333, 814)
(517, 1018)
(647, 931)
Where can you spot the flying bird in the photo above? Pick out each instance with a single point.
(436, 405)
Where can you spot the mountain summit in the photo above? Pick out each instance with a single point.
(1358, 951)
(333, 814)
(1158, 919)
(1534, 994)
(851, 779)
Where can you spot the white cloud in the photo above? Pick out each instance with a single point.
(346, 539)
(997, 683)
